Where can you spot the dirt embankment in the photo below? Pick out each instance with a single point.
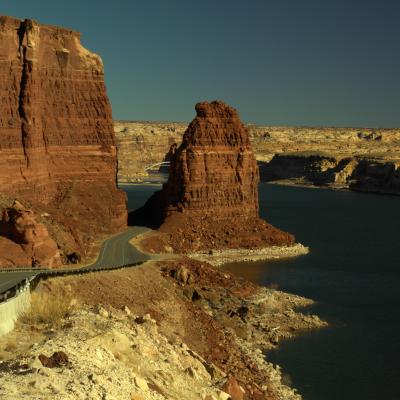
(175, 329)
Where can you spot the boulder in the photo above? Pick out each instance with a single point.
(235, 391)
(19, 225)
(57, 360)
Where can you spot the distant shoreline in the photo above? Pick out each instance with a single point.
(226, 256)
(265, 125)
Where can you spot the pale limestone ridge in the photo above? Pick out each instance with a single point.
(220, 257)
(363, 159)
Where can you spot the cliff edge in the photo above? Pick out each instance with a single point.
(57, 149)
(211, 198)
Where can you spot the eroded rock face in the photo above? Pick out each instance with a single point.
(31, 242)
(355, 173)
(142, 147)
(141, 144)
(211, 197)
(57, 146)
(214, 167)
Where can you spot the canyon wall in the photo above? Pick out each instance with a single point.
(347, 158)
(343, 142)
(355, 173)
(57, 146)
(142, 146)
(365, 159)
(211, 198)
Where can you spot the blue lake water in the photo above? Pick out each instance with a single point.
(138, 194)
(353, 273)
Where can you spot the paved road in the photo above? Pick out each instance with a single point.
(9, 279)
(115, 251)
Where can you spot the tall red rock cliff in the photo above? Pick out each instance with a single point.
(57, 148)
(211, 197)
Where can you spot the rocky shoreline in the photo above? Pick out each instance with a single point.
(362, 174)
(203, 333)
(220, 257)
(145, 242)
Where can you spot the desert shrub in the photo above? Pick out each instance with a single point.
(8, 345)
(48, 308)
(11, 345)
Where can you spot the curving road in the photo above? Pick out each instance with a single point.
(115, 252)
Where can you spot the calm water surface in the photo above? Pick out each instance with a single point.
(138, 194)
(353, 272)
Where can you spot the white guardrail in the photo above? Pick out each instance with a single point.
(12, 308)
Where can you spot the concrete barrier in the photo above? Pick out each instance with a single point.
(11, 309)
(17, 300)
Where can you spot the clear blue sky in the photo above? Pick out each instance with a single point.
(287, 62)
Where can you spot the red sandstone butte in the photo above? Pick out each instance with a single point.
(57, 148)
(211, 198)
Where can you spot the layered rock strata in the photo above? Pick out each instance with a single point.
(352, 158)
(142, 147)
(211, 197)
(355, 173)
(57, 147)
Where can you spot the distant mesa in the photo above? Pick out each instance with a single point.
(211, 198)
(57, 148)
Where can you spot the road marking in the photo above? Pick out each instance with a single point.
(103, 250)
